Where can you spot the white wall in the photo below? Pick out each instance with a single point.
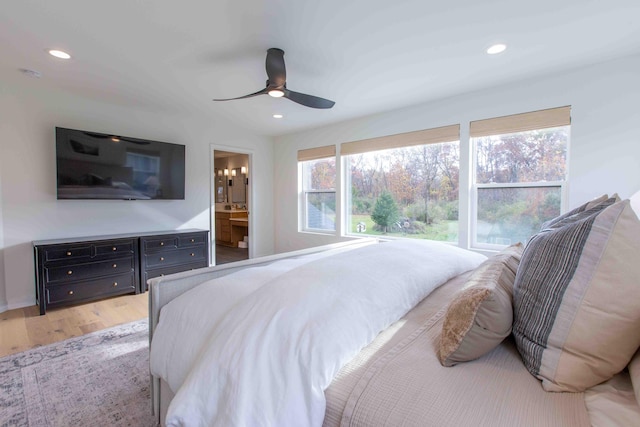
(3, 295)
(604, 147)
(28, 206)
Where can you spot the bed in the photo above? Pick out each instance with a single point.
(362, 355)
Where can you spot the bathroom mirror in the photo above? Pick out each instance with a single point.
(238, 186)
(220, 186)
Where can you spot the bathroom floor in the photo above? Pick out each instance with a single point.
(225, 254)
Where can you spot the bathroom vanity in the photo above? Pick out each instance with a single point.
(231, 226)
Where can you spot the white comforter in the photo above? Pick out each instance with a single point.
(260, 349)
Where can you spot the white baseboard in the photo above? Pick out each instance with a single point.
(12, 305)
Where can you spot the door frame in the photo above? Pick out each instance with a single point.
(212, 197)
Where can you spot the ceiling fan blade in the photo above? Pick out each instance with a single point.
(308, 100)
(276, 71)
(260, 92)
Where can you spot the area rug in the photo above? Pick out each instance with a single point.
(99, 379)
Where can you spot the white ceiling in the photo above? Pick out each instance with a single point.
(366, 55)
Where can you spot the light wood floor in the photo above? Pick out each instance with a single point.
(24, 328)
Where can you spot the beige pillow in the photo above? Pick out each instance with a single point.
(634, 365)
(634, 373)
(481, 314)
(576, 306)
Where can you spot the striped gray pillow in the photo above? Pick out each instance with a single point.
(576, 305)
(569, 215)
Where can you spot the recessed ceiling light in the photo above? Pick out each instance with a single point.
(278, 116)
(496, 48)
(59, 54)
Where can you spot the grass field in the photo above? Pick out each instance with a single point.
(446, 231)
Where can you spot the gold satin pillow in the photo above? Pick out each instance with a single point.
(480, 315)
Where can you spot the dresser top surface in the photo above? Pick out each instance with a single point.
(113, 236)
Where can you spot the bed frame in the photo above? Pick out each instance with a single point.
(165, 288)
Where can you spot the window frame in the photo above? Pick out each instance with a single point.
(468, 191)
(535, 120)
(426, 137)
(314, 154)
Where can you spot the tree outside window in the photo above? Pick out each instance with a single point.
(420, 181)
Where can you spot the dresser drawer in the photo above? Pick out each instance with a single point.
(117, 247)
(192, 240)
(165, 271)
(160, 243)
(73, 272)
(123, 283)
(67, 252)
(178, 256)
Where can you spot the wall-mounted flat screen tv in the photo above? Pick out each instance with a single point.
(93, 165)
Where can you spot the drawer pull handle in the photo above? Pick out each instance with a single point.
(70, 292)
(192, 254)
(68, 253)
(161, 243)
(161, 258)
(69, 273)
(193, 240)
(115, 284)
(114, 248)
(114, 265)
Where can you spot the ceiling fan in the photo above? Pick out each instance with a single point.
(277, 84)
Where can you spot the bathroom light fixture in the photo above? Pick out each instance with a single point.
(226, 172)
(496, 48)
(233, 172)
(219, 172)
(278, 116)
(243, 170)
(59, 54)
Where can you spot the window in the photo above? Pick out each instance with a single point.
(404, 185)
(520, 174)
(146, 170)
(143, 166)
(318, 190)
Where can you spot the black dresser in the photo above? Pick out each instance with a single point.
(164, 254)
(70, 271)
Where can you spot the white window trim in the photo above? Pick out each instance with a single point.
(302, 203)
(561, 117)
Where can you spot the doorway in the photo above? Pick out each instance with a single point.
(230, 206)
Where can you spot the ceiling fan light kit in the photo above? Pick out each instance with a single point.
(277, 84)
(276, 93)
